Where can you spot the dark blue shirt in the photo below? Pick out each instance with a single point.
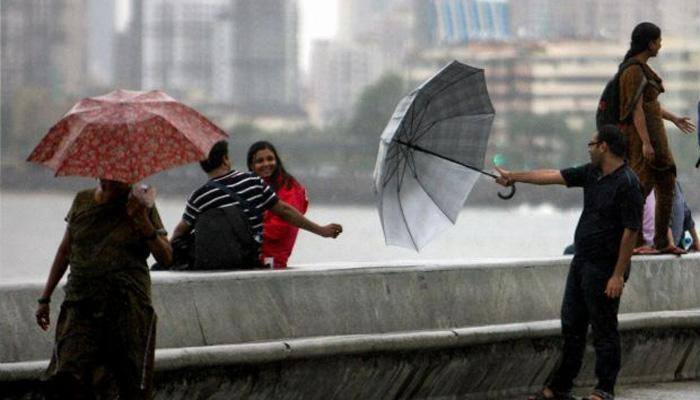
(611, 203)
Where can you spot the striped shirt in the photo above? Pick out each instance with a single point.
(246, 185)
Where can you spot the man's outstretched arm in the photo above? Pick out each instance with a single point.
(535, 177)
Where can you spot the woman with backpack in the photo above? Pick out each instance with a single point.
(641, 116)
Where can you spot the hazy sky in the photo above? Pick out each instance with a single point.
(319, 20)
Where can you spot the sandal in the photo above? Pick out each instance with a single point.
(555, 396)
(599, 395)
(671, 249)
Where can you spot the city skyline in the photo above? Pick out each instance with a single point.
(243, 60)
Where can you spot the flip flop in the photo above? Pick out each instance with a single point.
(645, 250)
(671, 249)
(556, 396)
(599, 395)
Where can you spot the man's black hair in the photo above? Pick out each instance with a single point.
(216, 156)
(611, 135)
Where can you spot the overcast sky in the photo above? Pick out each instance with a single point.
(319, 20)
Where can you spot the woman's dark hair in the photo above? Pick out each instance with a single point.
(216, 156)
(611, 135)
(642, 35)
(280, 177)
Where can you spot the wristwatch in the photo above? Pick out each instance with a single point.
(156, 233)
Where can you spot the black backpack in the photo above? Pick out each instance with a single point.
(608, 112)
(223, 237)
(222, 240)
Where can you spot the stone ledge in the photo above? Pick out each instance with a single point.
(294, 349)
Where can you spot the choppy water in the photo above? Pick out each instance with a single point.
(31, 227)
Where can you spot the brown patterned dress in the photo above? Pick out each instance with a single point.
(637, 81)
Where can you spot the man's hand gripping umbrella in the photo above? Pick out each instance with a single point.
(497, 178)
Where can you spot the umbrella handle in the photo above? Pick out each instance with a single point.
(509, 195)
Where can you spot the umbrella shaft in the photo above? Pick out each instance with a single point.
(432, 153)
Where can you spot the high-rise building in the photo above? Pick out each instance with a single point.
(565, 77)
(341, 71)
(580, 19)
(357, 19)
(265, 56)
(43, 44)
(101, 15)
(463, 21)
(238, 53)
(44, 60)
(127, 54)
(374, 37)
(178, 46)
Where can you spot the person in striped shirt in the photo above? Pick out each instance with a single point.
(249, 187)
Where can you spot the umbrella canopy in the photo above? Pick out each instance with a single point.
(126, 136)
(697, 164)
(431, 154)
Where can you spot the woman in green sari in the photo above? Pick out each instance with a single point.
(105, 335)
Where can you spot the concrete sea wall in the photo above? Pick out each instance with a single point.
(443, 330)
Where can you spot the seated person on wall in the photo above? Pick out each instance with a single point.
(278, 235)
(227, 213)
(681, 222)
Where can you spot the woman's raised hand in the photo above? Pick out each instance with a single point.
(684, 124)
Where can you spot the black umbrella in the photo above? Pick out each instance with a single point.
(431, 153)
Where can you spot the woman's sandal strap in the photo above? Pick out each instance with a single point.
(557, 396)
(600, 395)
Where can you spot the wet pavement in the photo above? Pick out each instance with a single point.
(661, 391)
(689, 390)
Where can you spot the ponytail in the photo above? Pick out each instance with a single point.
(642, 35)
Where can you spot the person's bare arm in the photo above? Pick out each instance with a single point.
(294, 217)
(161, 250)
(683, 123)
(617, 281)
(181, 229)
(696, 244)
(640, 124)
(157, 244)
(535, 177)
(58, 269)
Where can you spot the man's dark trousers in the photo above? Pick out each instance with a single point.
(585, 302)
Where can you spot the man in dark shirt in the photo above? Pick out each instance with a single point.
(604, 240)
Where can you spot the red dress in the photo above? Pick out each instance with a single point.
(278, 235)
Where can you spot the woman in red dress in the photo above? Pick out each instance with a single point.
(278, 235)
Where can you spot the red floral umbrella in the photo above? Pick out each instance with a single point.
(126, 136)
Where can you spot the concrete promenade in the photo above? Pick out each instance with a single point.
(442, 330)
(689, 390)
